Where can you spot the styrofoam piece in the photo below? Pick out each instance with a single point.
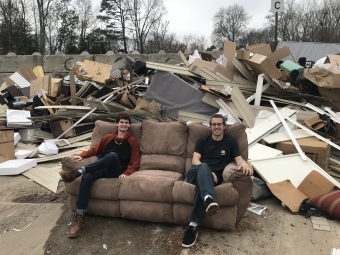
(17, 118)
(22, 154)
(48, 148)
(17, 138)
(16, 166)
(19, 80)
(259, 151)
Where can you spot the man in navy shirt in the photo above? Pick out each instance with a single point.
(212, 154)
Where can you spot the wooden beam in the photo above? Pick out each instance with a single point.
(72, 88)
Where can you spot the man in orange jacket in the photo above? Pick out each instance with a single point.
(118, 157)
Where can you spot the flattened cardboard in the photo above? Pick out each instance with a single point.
(315, 123)
(323, 78)
(229, 50)
(313, 185)
(243, 54)
(198, 64)
(260, 48)
(262, 64)
(184, 59)
(316, 150)
(279, 54)
(7, 151)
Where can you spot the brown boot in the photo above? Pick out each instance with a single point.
(69, 176)
(77, 224)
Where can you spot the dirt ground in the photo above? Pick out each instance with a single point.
(34, 220)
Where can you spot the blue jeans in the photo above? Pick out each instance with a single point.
(105, 167)
(201, 176)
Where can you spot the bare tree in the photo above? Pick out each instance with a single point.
(144, 15)
(229, 23)
(161, 39)
(195, 42)
(43, 9)
(115, 14)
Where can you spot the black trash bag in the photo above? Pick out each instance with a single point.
(260, 189)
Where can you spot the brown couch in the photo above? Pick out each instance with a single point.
(158, 192)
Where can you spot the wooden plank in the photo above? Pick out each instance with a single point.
(243, 70)
(45, 175)
(61, 155)
(95, 71)
(243, 107)
(62, 143)
(73, 88)
(69, 107)
(76, 145)
(57, 102)
(170, 68)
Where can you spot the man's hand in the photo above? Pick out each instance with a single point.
(247, 170)
(122, 176)
(76, 157)
(215, 177)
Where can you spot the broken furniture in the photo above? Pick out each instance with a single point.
(158, 192)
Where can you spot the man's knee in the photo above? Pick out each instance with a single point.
(112, 155)
(204, 167)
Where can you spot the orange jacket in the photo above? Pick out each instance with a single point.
(100, 147)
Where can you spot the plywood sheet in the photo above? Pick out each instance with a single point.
(290, 167)
(95, 71)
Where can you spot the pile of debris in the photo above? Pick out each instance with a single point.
(288, 106)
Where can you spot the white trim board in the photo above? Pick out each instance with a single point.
(283, 136)
(290, 167)
(259, 151)
(267, 126)
(19, 80)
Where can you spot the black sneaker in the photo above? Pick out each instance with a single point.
(211, 207)
(190, 237)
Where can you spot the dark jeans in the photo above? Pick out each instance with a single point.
(201, 176)
(105, 167)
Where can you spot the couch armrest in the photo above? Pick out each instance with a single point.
(243, 185)
(69, 164)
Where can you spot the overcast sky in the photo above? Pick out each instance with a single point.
(196, 16)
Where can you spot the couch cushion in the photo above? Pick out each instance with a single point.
(162, 162)
(147, 188)
(167, 174)
(225, 194)
(103, 128)
(159, 139)
(103, 188)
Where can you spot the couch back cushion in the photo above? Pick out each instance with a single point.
(103, 128)
(196, 131)
(163, 146)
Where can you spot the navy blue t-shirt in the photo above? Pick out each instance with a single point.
(217, 154)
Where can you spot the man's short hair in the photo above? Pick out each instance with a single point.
(123, 116)
(217, 116)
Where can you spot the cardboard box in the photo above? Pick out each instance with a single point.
(229, 49)
(280, 54)
(316, 150)
(313, 185)
(198, 64)
(262, 64)
(260, 48)
(323, 78)
(6, 145)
